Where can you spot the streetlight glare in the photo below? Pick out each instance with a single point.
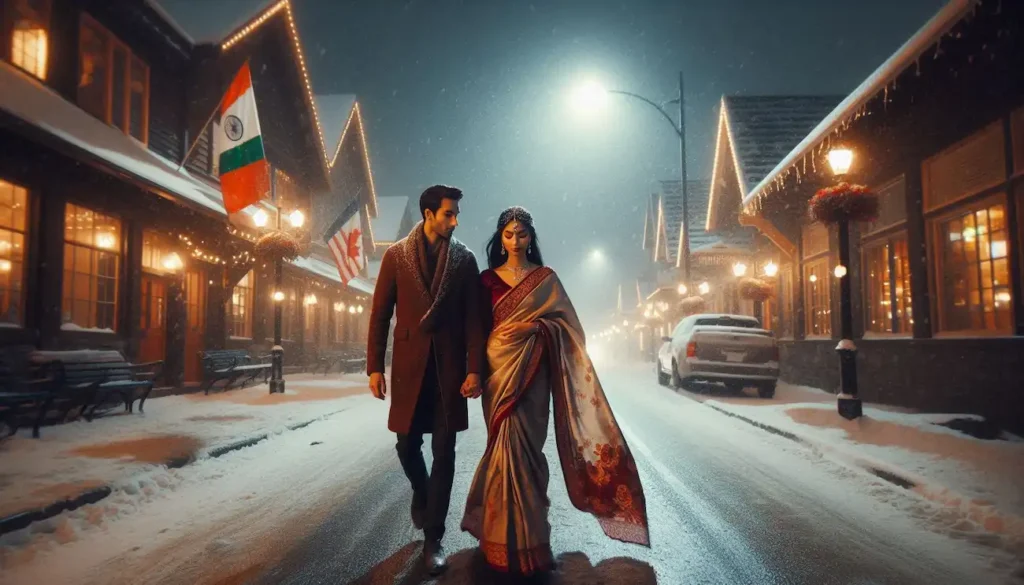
(597, 255)
(259, 219)
(771, 269)
(590, 96)
(840, 159)
(297, 218)
(739, 269)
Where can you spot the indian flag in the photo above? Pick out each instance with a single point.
(244, 171)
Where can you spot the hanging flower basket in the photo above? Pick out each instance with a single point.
(277, 245)
(844, 202)
(692, 305)
(755, 289)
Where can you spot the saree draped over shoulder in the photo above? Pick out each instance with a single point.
(507, 507)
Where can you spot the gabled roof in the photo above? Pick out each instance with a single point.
(754, 133)
(335, 104)
(650, 222)
(283, 9)
(852, 106)
(388, 223)
(672, 202)
(334, 111)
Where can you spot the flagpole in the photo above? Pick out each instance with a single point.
(196, 141)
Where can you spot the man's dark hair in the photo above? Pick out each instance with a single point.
(432, 197)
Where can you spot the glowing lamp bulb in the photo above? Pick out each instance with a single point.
(296, 218)
(172, 262)
(771, 269)
(739, 269)
(840, 159)
(840, 271)
(704, 288)
(260, 218)
(682, 289)
(278, 296)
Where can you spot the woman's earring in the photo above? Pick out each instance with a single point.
(503, 251)
(529, 249)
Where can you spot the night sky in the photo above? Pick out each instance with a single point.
(477, 94)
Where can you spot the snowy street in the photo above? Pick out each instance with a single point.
(328, 503)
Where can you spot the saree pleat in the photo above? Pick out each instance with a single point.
(507, 507)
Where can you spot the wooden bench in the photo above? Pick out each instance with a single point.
(231, 365)
(95, 375)
(23, 390)
(345, 360)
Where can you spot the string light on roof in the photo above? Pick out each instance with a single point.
(366, 157)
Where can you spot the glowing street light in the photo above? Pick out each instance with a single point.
(296, 218)
(704, 288)
(260, 218)
(278, 296)
(840, 271)
(590, 97)
(597, 255)
(682, 289)
(739, 269)
(172, 262)
(771, 269)
(840, 159)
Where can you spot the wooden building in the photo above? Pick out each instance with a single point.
(938, 132)
(111, 238)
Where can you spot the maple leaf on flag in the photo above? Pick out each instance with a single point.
(353, 244)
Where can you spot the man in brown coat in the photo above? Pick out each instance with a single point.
(431, 280)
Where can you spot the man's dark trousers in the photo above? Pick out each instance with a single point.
(432, 493)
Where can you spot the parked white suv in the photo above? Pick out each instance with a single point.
(730, 349)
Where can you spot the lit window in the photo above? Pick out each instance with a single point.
(817, 298)
(13, 227)
(113, 84)
(887, 282)
(241, 305)
(974, 270)
(92, 253)
(29, 35)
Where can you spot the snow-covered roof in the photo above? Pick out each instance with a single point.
(735, 248)
(334, 111)
(672, 207)
(330, 271)
(386, 226)
(763, 129)
(878, 81)
(35, 104)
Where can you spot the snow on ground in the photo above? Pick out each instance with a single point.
(78, 456)
(975, 482)
(198, 524)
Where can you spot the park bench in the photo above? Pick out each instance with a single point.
(230, 366)
(90, 377)
(345, 360)
(23, 390)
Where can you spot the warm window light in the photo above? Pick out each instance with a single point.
(359, 309)
(771, 269)
(296, 218)
(311, 299)
(106, 241)
(28, 50)
(840, 159)
(1001, 296)
(739, 269)
(260, 218)
(172, 262)
(278, 296)
(339, 307)
(5, 266)
(840, 271)
(682, 289)
(704, 288)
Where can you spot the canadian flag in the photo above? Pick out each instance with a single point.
(346, 244)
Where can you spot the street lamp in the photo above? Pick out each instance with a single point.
(592, 95)
(260, 218)
(771, 269)
(682, 290)
(849, 403)
(704, 288)
(296, 218)
(739, 269)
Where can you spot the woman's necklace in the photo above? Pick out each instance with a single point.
(517, 272)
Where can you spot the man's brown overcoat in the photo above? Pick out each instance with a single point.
(444, 310)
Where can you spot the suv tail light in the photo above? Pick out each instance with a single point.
(691, 349)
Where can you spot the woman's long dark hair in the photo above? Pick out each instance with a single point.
(495, 258)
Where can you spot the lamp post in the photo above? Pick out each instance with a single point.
(296, 219)
(590, 95)
(849, 404)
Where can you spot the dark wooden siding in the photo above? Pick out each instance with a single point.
(200, 157)
(166, 115)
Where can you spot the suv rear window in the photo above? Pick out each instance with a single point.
(727, 322)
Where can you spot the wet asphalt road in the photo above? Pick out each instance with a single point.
(727, 503)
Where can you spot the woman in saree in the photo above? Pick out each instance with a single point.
(537, 356)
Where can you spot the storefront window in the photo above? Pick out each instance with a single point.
(887, 284)
(13, 231)
(240, 323)
(92, 254)
(817, 298)
(113, 84)
(29, 41)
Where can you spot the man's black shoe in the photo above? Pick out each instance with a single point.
(433, 557)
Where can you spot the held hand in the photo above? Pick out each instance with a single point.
(472, 388)
(378, 386)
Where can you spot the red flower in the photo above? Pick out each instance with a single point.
(844, 202)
